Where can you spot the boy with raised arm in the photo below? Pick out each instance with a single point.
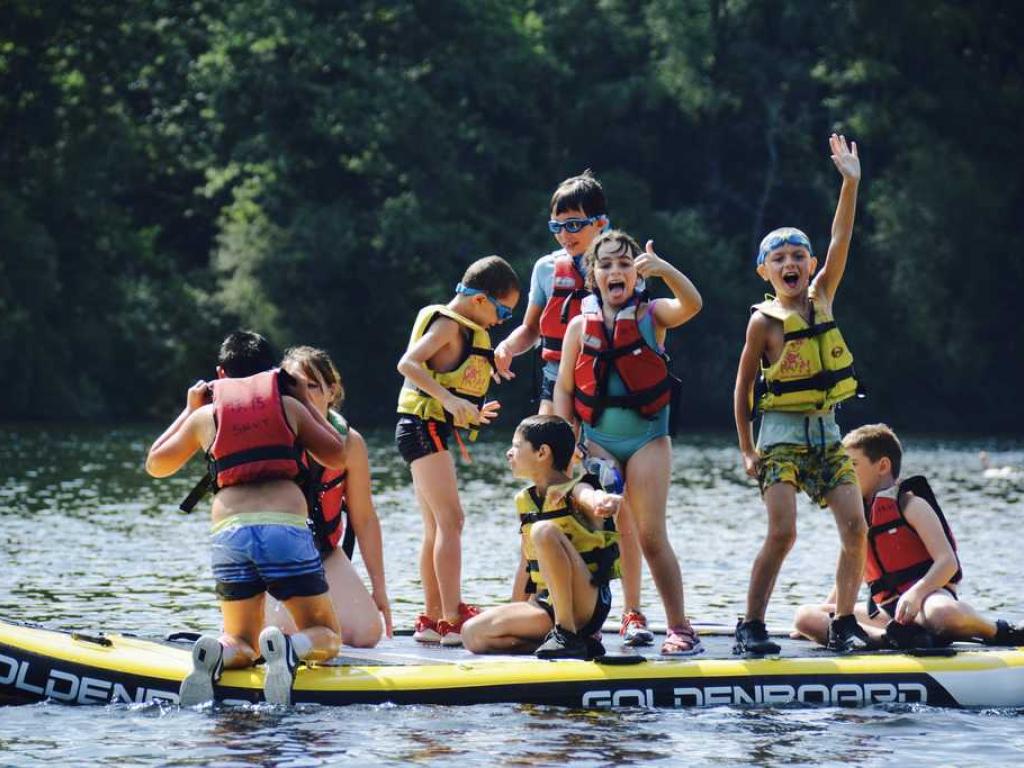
(803, 369)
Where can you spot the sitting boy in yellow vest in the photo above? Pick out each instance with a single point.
(805, 370)
(569, 544)
(912, 567)
(448, 368)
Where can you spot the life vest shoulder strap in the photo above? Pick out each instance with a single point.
(451, 314)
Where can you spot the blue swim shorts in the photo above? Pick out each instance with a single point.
(266, 552)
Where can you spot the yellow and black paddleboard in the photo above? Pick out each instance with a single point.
(100, 668)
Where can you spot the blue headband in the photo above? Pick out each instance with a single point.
(780, 237)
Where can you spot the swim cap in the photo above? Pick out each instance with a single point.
(779, 237)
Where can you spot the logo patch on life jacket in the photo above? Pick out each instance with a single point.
(594, 342)
(794, 365)
(837, 352)
(564, 282)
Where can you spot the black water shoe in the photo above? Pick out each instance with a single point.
(752, 638)
(845, 635)
(595, 648)
(907, 637)
(1008, 634)
(563, 644)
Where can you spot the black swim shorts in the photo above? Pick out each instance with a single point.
(416, 437)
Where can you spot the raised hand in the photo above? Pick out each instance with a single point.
(650, 264)
(198, 395)
(845, 156)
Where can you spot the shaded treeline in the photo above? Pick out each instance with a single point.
(319, 170)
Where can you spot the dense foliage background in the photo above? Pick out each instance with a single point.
(318, 170)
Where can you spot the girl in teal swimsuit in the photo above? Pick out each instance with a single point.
(631, 432)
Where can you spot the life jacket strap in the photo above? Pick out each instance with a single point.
(877, 530)
(810, 332)
(890, 582)
(550, 342)
(204, 486)
(822, 380)
(577, 293)
(614, 353)
(632, 400)
(263, 453)
(529, 518)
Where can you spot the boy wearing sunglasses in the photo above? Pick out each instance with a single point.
(803, 369)
(448, 367)
(578, 214)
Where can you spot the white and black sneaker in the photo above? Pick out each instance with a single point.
(281, 662)
(207, 664)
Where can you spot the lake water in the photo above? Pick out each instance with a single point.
(87, 540)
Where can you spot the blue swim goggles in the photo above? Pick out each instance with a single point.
(780, 237)
(572, 225)
(504, 313)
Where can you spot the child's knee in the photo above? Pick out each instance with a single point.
(473, 634)
(781, 537)
(853, 533)
(545, 533)
(451, 523)
(363, 635)
(809, 621)
(946, 619)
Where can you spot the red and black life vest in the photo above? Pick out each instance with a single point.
(897, 557)
(254, 441)
(567, 293)
(643, 370)
(325, 499)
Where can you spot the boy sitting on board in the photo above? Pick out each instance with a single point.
(912, 569)
(569, 544)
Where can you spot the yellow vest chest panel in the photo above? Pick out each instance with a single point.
(815, 370)
(469, 380)
(598, 548)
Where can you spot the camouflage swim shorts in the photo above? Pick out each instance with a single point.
(815, 471)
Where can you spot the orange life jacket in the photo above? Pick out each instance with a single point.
(325, 498)
(567, 293)
(897, 557)
(254, 441)
(642, 369)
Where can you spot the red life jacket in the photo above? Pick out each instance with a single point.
(254, 441)
(642, 369)
(897, 557)
(567, 293)
(325, 498)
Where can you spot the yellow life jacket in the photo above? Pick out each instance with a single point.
(815, 370)
(469, 380)
(598, 548)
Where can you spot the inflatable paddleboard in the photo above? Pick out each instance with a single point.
(92, 667)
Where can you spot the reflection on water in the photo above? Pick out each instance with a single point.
(88, 540)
